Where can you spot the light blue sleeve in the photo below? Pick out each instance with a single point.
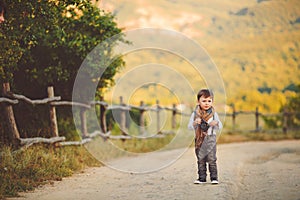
(220, 125)
(190, 125)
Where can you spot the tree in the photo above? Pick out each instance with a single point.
(44, 43)
(291, 108)
(47, 41)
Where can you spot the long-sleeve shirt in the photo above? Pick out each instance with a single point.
(211, 130)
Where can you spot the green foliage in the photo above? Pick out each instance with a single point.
(113, 119)
(293, 106)
(51, 39)
(45, 42)
(290, 110)
(273, 122)
(24, 170)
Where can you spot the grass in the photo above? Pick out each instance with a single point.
(23, 170)
(231, 137)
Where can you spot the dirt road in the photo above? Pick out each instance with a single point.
(254, 170)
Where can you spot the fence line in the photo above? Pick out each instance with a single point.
(10, 99)
(285, 115)
(54, 102)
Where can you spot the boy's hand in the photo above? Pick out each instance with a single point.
(197, 121)
(214, 123)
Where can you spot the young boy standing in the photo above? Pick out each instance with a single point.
(205, 122)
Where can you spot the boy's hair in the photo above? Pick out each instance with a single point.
(2, 7)
(205, 93)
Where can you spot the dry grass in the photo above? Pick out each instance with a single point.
(23, 170)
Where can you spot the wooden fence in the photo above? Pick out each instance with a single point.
(285, 115)
(9, 99)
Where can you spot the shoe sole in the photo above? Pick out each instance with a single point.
(198, 182)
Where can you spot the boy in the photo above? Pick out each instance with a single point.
(2, 11)
(205, 121)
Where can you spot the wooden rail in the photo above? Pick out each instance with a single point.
(9, 99)
(55, 101)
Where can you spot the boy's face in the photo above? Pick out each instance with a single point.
(205, 102)
(1, 18)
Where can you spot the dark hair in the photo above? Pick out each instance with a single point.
(205, 93)
(2, 7)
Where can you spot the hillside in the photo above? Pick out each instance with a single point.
(255, 44)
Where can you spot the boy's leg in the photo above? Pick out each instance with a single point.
(212, 159)
(201, 161)
(202, 169)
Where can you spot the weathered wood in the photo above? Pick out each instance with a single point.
(103, 118)
(6, 100)
(38, 101)
(174, 112)
(13, 132)
(257, 119)
(75, 143)
(103, 103)
(83, 123)
(52, 112)
(102, 115)
(233, 117)
(69, 103)
(122, 118)
(285, 120)
(119, 107)
(30, 141)
(101, 134)
(158, 108)
(142, 119)
(143, 107)
(120, 137)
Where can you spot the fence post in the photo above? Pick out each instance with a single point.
(233, 117)
(142, 118)
(83, 123)
(103, 117)
(174, 112)
(256, 120)
(122, 117)
(13, 133)
(285, 119)
(52, 111)
(157, 116)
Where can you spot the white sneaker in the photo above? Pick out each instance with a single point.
(214, 182)
(198, 182)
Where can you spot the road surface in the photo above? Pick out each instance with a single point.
(252, 170)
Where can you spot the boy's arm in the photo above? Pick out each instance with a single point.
(191, 122)
(219, 125)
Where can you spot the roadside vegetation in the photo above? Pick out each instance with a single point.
(25, 170)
